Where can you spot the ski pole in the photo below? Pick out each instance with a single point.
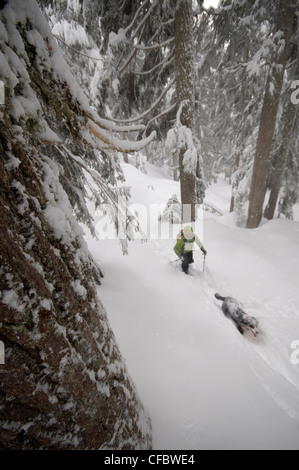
(175, 261)
(204, 263)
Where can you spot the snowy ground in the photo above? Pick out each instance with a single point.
(204, 385)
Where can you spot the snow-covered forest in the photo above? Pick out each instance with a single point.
(122, 122)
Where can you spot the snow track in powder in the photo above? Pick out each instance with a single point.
(205, 385)
(274, 371)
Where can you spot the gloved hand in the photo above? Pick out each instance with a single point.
(204, 251)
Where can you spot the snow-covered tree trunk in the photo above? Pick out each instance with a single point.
(282, 38)
(241, 110)
(289, 133)
(184, 58)
(289, 126)
(64, 384)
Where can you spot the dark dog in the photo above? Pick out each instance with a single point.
(242, 320)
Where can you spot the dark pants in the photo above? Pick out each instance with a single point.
(187, 259)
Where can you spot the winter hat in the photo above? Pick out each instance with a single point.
(188, 233)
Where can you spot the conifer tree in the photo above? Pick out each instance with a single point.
(282, 37)
(184, 57)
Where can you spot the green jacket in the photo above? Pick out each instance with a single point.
(185, 246)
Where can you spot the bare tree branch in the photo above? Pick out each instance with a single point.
(128, 61)
(131, 25)
(75, 50)
(164, 63)
(145, 18)
(166, 111)
(149, 110)
(103, 194)
(162, 25)
(155, 46)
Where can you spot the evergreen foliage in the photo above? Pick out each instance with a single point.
(133, 79)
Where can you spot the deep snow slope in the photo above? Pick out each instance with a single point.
(204, 385)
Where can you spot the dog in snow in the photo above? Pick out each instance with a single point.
(242, 320)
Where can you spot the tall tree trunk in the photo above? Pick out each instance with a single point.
(289, 119)
(290, 130)
(64, 384)
(242, 104)
(269, 113)
(236, 166)
(185, 95)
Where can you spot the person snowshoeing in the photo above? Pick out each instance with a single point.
(185, 246)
